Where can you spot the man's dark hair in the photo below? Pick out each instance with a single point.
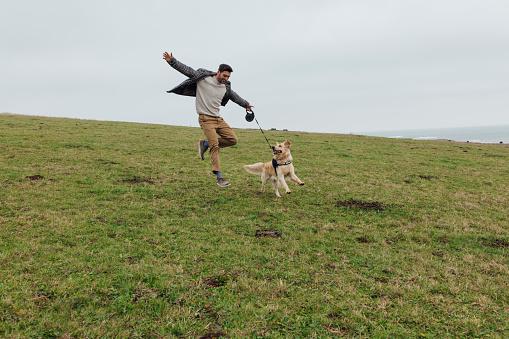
(225, 67)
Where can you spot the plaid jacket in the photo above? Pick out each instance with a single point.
(188, 87)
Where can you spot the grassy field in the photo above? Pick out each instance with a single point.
(111, 229)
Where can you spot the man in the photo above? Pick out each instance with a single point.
(212, 90)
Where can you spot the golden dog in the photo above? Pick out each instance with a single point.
(278, 169)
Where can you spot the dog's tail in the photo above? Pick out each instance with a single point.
(254, 169)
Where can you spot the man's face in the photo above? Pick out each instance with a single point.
(222, 77)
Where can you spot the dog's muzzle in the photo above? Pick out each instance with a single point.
(276, 151)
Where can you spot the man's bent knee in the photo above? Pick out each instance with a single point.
(227, 142)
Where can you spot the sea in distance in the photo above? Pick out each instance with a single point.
(481, 134)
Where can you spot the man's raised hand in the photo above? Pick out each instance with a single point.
(167, 56)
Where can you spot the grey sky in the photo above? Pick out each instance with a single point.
(321, 66)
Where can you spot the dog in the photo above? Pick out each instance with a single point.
(278, 169)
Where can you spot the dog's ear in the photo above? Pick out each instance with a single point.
(287, 143)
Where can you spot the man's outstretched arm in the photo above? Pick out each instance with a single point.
(239, 101)
(184, 69)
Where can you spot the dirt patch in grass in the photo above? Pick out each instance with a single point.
(218, 281)
(363, 205)
(365, 239)
(420, 176)
(137, 180)
(334, 315)
(496, 243)
(427, 177)
(213, 334)
(35, 177)
(76, 146)
(333, 265)
(268, 233)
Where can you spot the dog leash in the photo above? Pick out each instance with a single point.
(249, 117)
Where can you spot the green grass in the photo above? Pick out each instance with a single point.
(111, 229)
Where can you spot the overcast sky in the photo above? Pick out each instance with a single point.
(342, 66)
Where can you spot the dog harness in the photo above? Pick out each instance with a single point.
(276, 165)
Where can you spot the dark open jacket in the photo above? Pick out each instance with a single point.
(188, 87)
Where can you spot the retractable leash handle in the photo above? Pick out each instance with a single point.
(249, 117)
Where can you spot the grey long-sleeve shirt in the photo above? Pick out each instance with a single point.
(188, 87)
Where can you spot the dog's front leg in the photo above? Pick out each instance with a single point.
(295, 179)
(284, 184)
(275, 184)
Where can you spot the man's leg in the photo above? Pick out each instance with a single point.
(228, 137)
(212, 126)
(209, 126)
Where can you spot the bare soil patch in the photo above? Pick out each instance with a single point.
(363, 205)
(365, 239)
(35, 177)
(213, 334)
(218, 281)
(496, 243)
(268, 233)
(137, 180)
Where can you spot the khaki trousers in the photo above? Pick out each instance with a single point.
(212, 126)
